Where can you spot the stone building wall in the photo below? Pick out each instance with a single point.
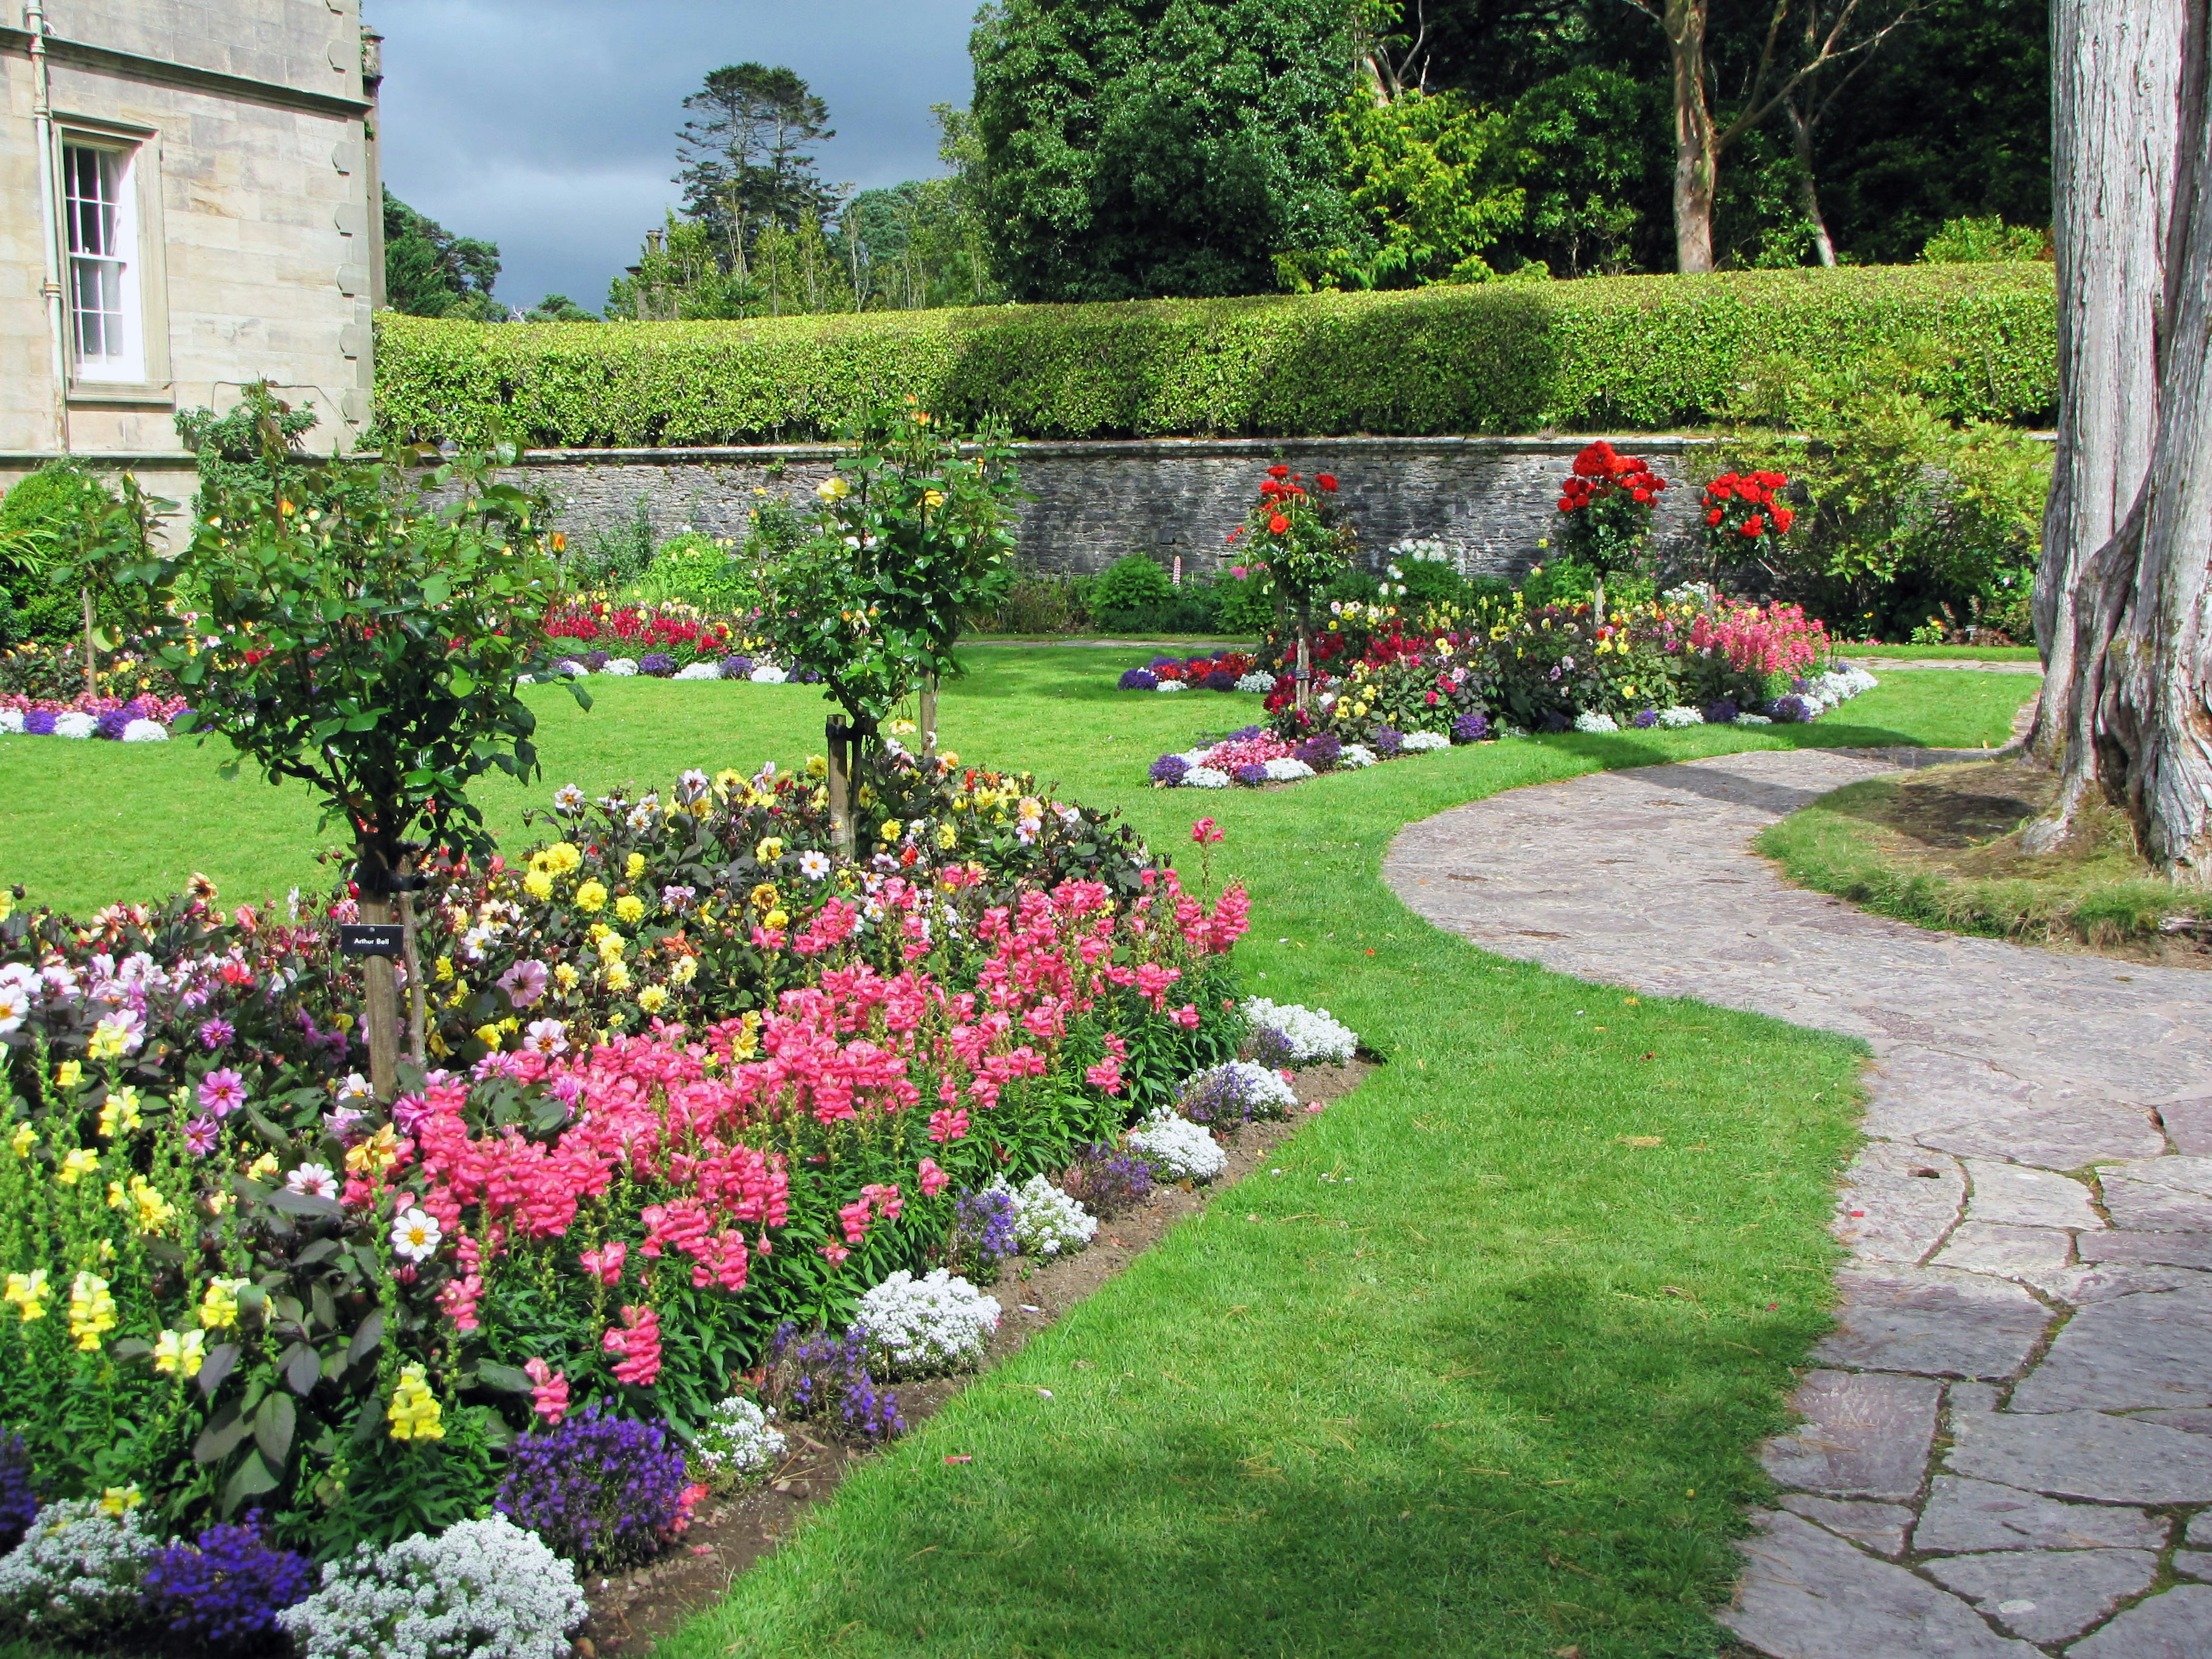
(1490, 500)
(250, 124)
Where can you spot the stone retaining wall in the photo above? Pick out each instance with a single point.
(1490, 500)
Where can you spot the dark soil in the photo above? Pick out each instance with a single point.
(633, 1610)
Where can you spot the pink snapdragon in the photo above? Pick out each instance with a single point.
(637, 1339)
(933, 1179)
(550, 1397)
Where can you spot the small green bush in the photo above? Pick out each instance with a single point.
(1619, 352)
(1244, 605)
(703, 571)
(1046, 605)
(1132, 583)
(1985, 241)
(45, 509)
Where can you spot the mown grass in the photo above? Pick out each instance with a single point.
(1941, 848)
(1491, 1389)
(1945, 652)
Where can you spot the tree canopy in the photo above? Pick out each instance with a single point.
(430, 272)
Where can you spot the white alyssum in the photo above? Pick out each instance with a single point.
(11, 720)
(768, 674)
(145, 731)
(1177, 1148)
(1752, 719)
(622, 666)
(700, 671)
(1415, 743)
(76, 1573)
(1255, 681)
(926, 1326)
(75, 725)
(1259, 1088)
(571, 665)
(480, 1590)
(1285, 769)
(1311, 1034)
(1356, 754)
(1590, 720)
(1047, 1221)
(738, 1440)
(1681, 714)
(1170, 685)
(1205, 777)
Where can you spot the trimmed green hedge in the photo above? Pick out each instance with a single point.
(1618, 352)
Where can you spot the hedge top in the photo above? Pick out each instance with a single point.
(1625, 352)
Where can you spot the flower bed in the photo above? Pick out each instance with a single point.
(1230, 671)
(666, 1125)
(144, 718)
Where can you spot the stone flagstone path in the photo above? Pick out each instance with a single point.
(2007, 1448)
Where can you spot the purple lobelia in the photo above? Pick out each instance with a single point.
(1251, 775)
(1321, 751)
(1139, 679)
(39, 723)
(982, 1233)
(658, 664)
(1387, 740)
(1169, 769)
(19, 1493)
(822, 1375)
(736, 668)
(1789, 710)
(599, 1489)
(1473, 727)
(226, 1589)
(1722, 713)
(1645, 720)
(1106, 1181)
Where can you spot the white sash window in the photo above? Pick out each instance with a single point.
(108, 326)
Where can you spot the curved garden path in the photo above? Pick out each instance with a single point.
(2008, 1441)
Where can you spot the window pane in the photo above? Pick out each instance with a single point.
(100, 291)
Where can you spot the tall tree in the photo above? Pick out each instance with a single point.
(1141, 148)
(1701, 137)
(430, 272)
(2133, 151)
(748, 155)
(2115, 99)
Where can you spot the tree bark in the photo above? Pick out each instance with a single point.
(1808, 195)
(2140, 680)
(2115, 90)
(1696, 160)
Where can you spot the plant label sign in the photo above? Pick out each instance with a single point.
(386, 939)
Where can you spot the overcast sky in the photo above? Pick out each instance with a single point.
(548, 126)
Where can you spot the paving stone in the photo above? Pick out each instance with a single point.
(1932, 1321)
(2047, 1595)
(2177, 1625)
(2027, 1198)
(1807, 1594)
(2199, 1535)
(1965, 1517)
(2082, 1454)
(2068, 1136)
(1983, 1246)
(2182, 1175)
(1897, 1202)
(2101, 1281)
(1879, 1527)
(1865, 1435)
(2153, 1349)
(2193, 1563)
(2148, 1206)
(2194, 1421)
(2189, 1124)
(2177, 1250)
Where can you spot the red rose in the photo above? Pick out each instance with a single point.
(1278, 524)
(1755, 525)
(1327, 481)
(1279, 470)
(1784, 518)
(1639, 493)
(1566, 504)
(1713, 516)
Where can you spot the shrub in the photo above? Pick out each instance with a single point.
(599, 1489)
(738, 1441)
(1179, 1148)
(1134, 582)
(480, 1590)
(1985, 241)
(226, 1589)
(926, 1326)
(1622, 352)
(76, 1576)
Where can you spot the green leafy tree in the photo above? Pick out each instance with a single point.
(558, 309)
(679, 275)
(1135, 148)
(429, 272)
(1422, 181)
(748, 156)
(924, 242)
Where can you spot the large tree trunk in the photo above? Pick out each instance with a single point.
(2115, 87)
(1697, 160)
(2142, 672)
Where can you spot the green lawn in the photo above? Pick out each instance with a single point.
(1492, 1390)
(1946, 652)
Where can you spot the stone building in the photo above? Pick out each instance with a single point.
(189, 202)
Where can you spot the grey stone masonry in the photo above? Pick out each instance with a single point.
(1490, 501)
(2006, 1446)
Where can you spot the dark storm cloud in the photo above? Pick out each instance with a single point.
(548, 126)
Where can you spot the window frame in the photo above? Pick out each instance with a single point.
(144, 378)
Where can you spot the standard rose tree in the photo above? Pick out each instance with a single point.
(1298, 543)
(1607, 502)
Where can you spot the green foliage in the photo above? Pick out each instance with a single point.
(367, 642)
(1907, 508)
(1132, 582)
(1618, 352)
(1132, 148)
(1055, 603)
(911, 538)
(558, 309)
(679, 277)
(703, 571)
(1590, 168)
(748, 165)
(1244, 605)
(1985, 241)
(924, 242)
(618, 556)
(1422, 179)
(253, 446)
(430, 272)
(42, 524)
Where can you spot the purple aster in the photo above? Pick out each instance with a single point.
(223, 1091)
(215, 1032)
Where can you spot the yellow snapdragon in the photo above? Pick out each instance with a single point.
(181, 1353)
(76, 1166)
(120, 1115)
(415, 1413)
(91, 1311)
(27, 1293)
